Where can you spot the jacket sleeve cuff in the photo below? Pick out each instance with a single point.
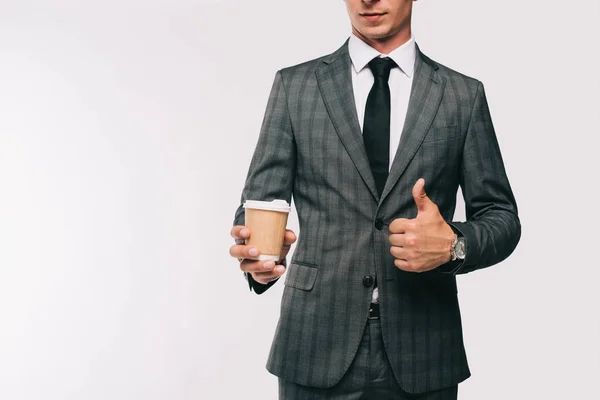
(259, 288)
(458, 266)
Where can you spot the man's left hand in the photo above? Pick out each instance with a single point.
(423, 243)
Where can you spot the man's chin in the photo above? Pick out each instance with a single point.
(376, 33)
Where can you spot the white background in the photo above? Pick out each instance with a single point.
(126, 130)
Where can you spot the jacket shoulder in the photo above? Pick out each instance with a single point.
(301, 70)
(308, 68)
(451, 74)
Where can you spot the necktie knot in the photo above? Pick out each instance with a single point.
(381, 67)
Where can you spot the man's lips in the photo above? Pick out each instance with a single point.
(371, 16)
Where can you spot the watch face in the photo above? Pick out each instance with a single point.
(459, 249)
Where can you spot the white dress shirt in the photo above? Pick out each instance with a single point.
(400, 83)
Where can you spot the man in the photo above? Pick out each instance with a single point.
(369, 308)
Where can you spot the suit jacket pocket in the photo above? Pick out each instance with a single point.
(301, 275)
(437, 134)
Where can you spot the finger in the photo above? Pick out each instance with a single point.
(402, 264)
(419, 195)
(289, 237)
(399, 225)
(240, 232)
(257, 266)
(243, 251)
(266, 277)
(399, 253)
(398, 239)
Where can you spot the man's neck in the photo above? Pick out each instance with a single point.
(388, 44)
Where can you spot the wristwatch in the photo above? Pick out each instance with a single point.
(458, 248)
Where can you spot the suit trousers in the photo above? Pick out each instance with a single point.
(368, 377)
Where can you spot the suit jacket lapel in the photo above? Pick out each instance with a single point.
(335, 83)
(426, 95)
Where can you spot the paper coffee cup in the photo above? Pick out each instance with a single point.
(267, 221)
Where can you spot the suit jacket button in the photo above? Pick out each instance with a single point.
(378, 224)
(368, 281)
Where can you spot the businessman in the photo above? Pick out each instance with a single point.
(373, 142)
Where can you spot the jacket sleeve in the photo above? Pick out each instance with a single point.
(273, 166)
(492, 229)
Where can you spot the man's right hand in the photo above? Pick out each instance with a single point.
(262, 271)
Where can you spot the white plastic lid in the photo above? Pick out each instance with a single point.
(275, 205)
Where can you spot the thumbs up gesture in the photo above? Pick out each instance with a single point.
(423, 243)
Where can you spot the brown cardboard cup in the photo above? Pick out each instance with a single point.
(267, 222)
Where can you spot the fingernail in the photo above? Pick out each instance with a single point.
(269, 264)
(253, 252)
(280, 269)
(244, 232)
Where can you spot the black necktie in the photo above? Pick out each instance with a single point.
(376, 127)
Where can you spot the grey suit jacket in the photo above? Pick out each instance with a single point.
(310, 146)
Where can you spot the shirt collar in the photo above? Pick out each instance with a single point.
(361, 53)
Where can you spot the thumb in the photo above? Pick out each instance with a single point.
(421, 199)
(289, 238)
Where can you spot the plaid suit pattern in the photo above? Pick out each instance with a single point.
(310, 146)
